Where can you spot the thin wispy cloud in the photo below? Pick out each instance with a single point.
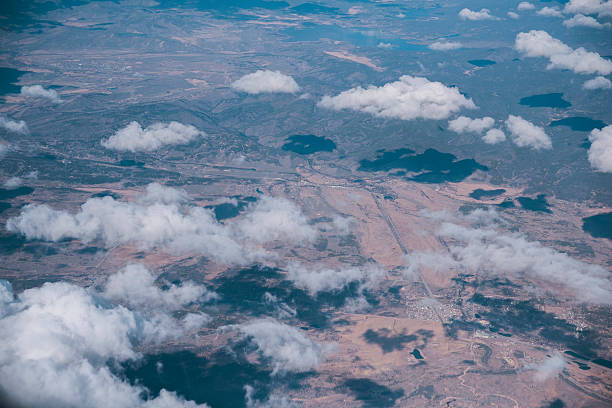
(445, 45)
(548, 368)
(324, 279)
(485, 250)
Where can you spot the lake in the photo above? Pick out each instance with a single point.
(551, 100)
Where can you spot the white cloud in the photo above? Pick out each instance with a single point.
(4, 148)
(386, 46)
(135, 286)
(280, 309)
(513, 15)
(524, 5)
(134, 138)
(597, 83)
(538, 43)
(549, 368)
(550, 12)
(323, 279)
(485, 250)
(483, 14)
(13, 182)
(37, 91)
(526, 134)
(445, 45)
(155, 221)
(273, 401)
(14, 126)
(57, 340)
(6, 297)
(266, 82)
(416, 261)
(342, 224)
(464, 124)
(158, 193)
(580, 20)
(272, 219)
(600, 152)
(287, 348)
(494, 136)
(599, 7)
(407, 99)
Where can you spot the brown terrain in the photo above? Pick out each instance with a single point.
(470, 368)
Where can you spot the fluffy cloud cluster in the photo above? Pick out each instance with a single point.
(494, 136)
(37, 91)
(485, 250)
(160, 218)
(524, 5)
(526, 134)
(537, 43)
(134, 138)
(274, 219)
(513, 15)
(58, 339)
(14, 126)
(464, 124)
(580, 20)
(599, 7)
(597, 83)
(287, 348)
(266, 82)
(407, 99)
(323, 279)
(550, 12)
(483, 14)
(600, 152)
(445, 45)
(135, 286)
(13, 182)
